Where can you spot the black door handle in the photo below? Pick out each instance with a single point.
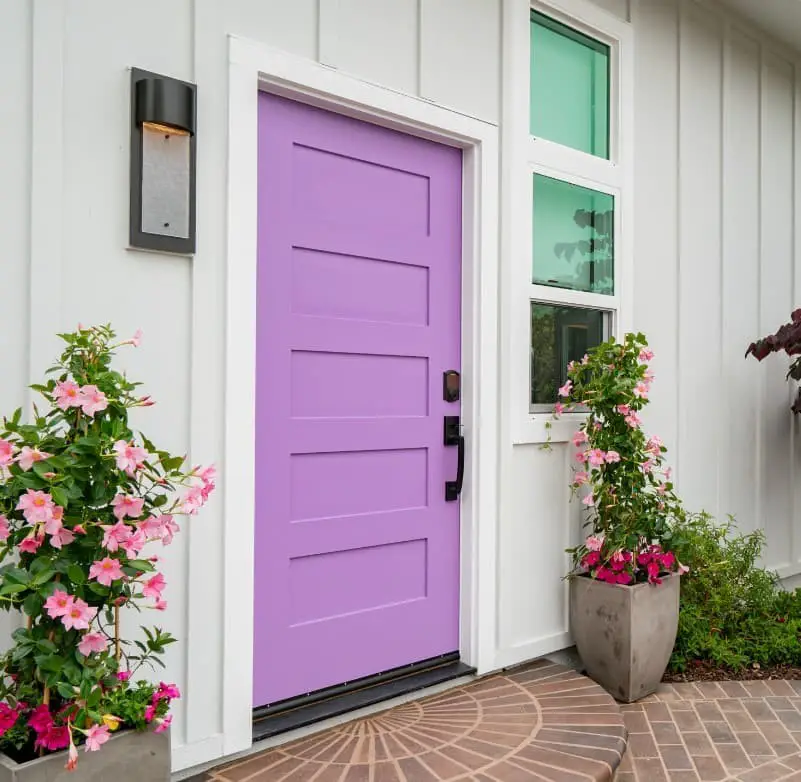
(453, 436)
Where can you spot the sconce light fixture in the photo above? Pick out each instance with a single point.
(163, 155)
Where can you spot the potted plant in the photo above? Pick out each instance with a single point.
(81, 499)
(786, 340)
(624, 589)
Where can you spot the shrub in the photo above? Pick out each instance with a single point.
(786, 340)
(731, 611)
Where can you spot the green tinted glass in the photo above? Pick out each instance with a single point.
(569, 87)
(560, 335)
(574, 243)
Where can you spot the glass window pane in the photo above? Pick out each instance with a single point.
(560, 335)
(573, 237)
(569, 87)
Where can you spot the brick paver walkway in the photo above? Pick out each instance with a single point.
(733, 731)
(542, 723)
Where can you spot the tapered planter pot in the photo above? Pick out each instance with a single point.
(624, 634)
(125, 757)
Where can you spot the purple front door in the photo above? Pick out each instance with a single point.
(359, 268)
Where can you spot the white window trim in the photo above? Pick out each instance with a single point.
(524, 155)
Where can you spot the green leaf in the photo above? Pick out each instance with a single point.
(141, 565)
(98, 589)
(33, 604)
(66, 691)
(160, 500)
(12, 589)
(42, 578)
(76, 574)
(59, 496)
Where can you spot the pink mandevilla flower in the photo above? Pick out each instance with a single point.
(580, 478)
(646, 355)
(91, 643)
(134, 544)
(106, 570)
(596, 457)
(29, 456)
(96, 737)
(93, 400)
(6, 453)
(558, 409)
(78, 616)
(58, 604)
(641, 390)
(67, 394)
(566, 388)
(115, 534)
(62, 538)
(154, 586)
(624, 409)
(588, 500)
(127, 506)
(130, 457)
(579, 438)
(582, 456)
(5, 531)
(633, 420)
(594, 543)
(30, 545)
(612, 457)
(36, 506)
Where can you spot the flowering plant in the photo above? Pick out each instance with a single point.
(630, 498)
(81, 497)
(788, 340)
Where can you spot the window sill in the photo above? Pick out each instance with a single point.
(533, 428)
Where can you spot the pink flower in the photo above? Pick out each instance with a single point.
(566, 388)
(106, 570)
(646, 355)
(612, 456)
(96, 737)
(163, 724)
(668, 473)
(683, 568)
(193, 500)
(30, 545)
(653, 572)
(133, 545)
(558, 409)
(72, 756)
(168, 691)
(136, 340)
(115, 534)
(8, 717)
(585, 360)
(150, 712)
(40, 719)
(594, 543)
(62, 538)
(633, 420)
(130, 457)
(571, 365)
(588, 500)
(58, 604)
(207, 474)
(647, 466)
(6, 453)
(67, 394)
(582, 456)
(78, 616)
(579, 438)
(92, 642)
(28, 456)
(127, 506)
(36, 506)
(624, 409)
(654, 445)
(668, 560)
(596, 457)
(580, 478)
(93, 400)
(623, 578)
(154, 586)
(648, 376)
(591, 559)
(54, 524)
(4, 528)
(123, 676)
(641, 390)
(54, 738)
(161, 605)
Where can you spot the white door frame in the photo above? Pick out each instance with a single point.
(253, 67)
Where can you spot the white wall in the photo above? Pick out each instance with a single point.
(716, 232)
(63, 222)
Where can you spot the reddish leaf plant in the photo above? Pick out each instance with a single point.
(786, 340)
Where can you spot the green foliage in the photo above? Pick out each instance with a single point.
(732, 613)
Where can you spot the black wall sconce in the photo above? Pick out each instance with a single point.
(163, 158)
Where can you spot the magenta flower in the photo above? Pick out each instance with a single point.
(127, 506)
(67, 394)
(130, 457)
(163, 724)
(91, 643)
(96, 737)
(40, 720)
(106, 571)
(54, 738)
(78, 616)
(123, 676)
(93, 400)
(168, 691)
(612, 457)
(58, 604)
(150, 712)
(6, 453)
(8, 718)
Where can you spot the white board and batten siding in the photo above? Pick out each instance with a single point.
(715, 240)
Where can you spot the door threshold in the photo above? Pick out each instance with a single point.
(305, 710)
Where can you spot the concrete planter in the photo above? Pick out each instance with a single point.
(624, 634)
(126, 757)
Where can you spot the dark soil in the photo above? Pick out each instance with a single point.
(701, 671)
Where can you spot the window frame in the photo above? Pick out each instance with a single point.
(527, 155)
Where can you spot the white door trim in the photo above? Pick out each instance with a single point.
(254, 66)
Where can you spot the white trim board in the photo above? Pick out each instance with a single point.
(254, 66)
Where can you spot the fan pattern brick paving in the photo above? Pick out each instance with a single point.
(540, 723)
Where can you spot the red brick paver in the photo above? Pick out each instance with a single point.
(541, 723)
(716, 732)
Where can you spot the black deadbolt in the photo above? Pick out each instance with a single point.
(451, 385)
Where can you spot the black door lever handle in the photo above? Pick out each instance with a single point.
(453, 436)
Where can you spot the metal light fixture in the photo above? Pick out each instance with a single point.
(163, 155)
